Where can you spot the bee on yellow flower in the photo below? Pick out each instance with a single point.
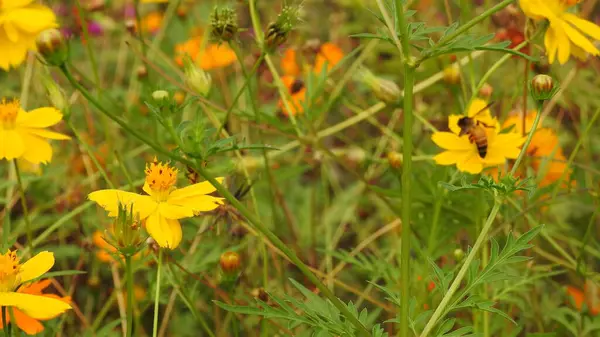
(21, 21)
(567, 34)
(461, 151)
(164, 204)
(23, 135)
(27, 301)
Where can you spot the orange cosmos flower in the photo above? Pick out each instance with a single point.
(329, 54)
(28, 324)
(545, 153)
(213, 56)
(288, 63)
(297, 92)
(589, 296)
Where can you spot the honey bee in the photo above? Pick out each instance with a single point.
(476, 131)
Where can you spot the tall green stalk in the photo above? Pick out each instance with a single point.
(157, 294)
(130, 304)
(538, 116)
(407, 149)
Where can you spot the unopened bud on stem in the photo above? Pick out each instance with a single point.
(52, 46)
(542, 87)
(196, 78)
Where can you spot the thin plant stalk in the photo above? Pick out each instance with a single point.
(529, 137)
(407, 149)
(5, 326)
(157, 294)
(24, 205)
(130, 297)
(441, 309)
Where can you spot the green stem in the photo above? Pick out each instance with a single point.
(88, 42)
(24, 206)
(538, 116)
(242, 89)
(4, 324)
(441, 309)
(407, 149)
(157, 294)
(464, 28)
(130, 297)
(140, 30)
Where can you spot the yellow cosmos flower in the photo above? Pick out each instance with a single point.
(27, 324)
(566, 34)
(164, 205)
(13, 275)
(463, 153)
(20, 23)
(23, 134)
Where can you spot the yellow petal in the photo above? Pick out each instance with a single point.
(202, 188)
(38, 307)
(11, 32)
(579, 39)
(143, 205)
(535, 9)
(13, 54)
(37, 149)
(39, 118)
(199, 203)
(446, 158)
(562, 39)
(170, 211)
(472, 164)
(453, 123)
(47, 134)
(551, 44)
(166, 232)
(32, 19)
(14, 4)
(11, 144)
(587, 27)
(450, 141)
(36, 266)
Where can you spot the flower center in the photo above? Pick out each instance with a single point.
(161, 178)
(9, 271)
(8, 113)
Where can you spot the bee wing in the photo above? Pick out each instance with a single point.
(483, 109)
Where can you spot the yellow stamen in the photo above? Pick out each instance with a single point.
(9, 271)
(8, 113)
(160, 177)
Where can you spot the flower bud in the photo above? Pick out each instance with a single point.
(223, 24)
(486, 91)
(52, 46)
(230, 262)
(395, 159)
(542, 87)
(126, 236)
(196, 79)
(459, 254)
(160, 96)
(55, 94)
(278, 31)
(142, 72)
(452, 75)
